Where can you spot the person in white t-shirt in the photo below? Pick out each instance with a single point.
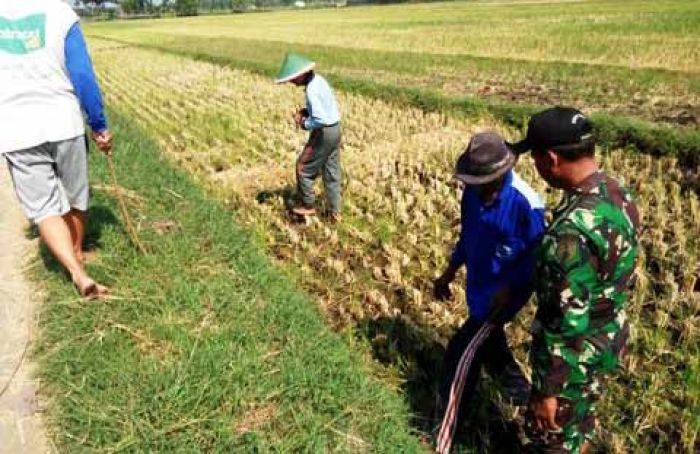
(46, 77)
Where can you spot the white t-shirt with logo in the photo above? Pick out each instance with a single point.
(37, 100)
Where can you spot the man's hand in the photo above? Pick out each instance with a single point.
(544, 409)
(300, 117)
(442, 291)
(103, 140)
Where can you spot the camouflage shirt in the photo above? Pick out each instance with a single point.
(584, 277)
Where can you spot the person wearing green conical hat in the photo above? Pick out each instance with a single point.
(321, 155)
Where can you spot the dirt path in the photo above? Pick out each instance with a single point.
(21, 428)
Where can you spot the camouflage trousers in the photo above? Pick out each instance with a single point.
(585, 369)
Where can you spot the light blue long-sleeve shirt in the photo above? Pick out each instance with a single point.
(82, 76)
(321, 104)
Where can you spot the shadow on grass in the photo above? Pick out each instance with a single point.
(99, 217)
(290, 199)
(484, 427)
(288, 194)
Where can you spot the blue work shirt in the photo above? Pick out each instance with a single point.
(497, 244)
(320, 102)
(82, 76)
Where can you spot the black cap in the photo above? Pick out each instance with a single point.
(557, 128)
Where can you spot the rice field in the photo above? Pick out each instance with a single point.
(637, 58)
(232, 130)
(638, 34)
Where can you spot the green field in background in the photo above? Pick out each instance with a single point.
(636, 64)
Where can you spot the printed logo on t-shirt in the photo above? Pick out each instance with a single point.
(23, 36)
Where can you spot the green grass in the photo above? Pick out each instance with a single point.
(205, 346)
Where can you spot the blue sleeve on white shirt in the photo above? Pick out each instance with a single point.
(82, 76)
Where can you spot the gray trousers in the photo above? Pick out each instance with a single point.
(321, 156)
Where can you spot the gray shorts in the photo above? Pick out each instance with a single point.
(51, 178)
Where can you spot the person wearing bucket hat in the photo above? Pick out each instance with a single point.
(584, 275)
(502, 222)
(321, 117)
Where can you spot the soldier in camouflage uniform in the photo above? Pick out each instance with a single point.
(583, 280)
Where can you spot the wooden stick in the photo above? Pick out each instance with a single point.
(130, 230)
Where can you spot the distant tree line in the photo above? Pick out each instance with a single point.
(194, 7)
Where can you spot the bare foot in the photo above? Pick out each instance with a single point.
(304, 211)
(91, 290)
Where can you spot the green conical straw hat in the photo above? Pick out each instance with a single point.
(293, 66)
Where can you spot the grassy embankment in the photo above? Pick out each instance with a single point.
(634, 69)
(205, 346)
